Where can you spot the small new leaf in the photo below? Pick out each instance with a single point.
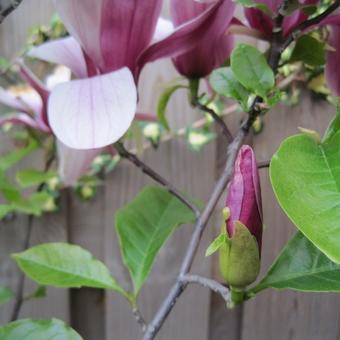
(163, 103)
(30, 177)
(252, 70)
(216, 244)
(309, 50)
(224, 83)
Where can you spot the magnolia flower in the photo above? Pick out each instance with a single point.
(264, 23)
(111, 42)
(240, 256)
(30, 106)
(213, 48)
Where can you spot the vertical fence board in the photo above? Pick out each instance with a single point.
(86, 228)
(282, 314)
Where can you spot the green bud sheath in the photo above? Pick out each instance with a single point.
(239, 258)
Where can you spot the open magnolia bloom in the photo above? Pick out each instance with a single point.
(111, 42)
(264, 23)
(29, 103)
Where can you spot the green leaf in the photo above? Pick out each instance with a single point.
(35, 204)
(163, 103)
(29, 329)
(65, 265)
(219, 241)
(224, 83)
(144, 225)
(5, 295)
(30, 177)
(309, 50)
(12, 158)
(302, 266)
(251, 69)
(305, 176)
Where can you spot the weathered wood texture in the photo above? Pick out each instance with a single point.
(198, 315)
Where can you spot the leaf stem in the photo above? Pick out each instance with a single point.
(211, 284)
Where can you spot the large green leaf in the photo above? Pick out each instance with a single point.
(65, 265)
(302, 266)
(224, 83)
(252, 70)
(305, 176)
(38, 330)
(144, 225)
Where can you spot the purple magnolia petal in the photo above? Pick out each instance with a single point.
(8, 99)
(74, 163)
(83, 21)
(333, 61)
(184, 38)
(65, 51)
(244, 195)
(127, 28)
(95, 112)
(213, 47)
(23, 119)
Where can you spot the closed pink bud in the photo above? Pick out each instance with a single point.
(244, 195)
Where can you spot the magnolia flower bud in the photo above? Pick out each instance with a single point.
(240, 255)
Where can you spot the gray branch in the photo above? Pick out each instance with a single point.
(7, 7)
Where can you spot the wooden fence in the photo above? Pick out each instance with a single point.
(199, 314)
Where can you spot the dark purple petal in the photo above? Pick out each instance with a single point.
(185, 37)
(127, 28)
(259, 20)
(244, 195)
(213, 47)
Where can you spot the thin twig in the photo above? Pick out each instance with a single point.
(124, 153)
(139, 318)
(5, 10)
(262, 165)
(309, 23)
(217, 119)
(211, 284)
(19, 296)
